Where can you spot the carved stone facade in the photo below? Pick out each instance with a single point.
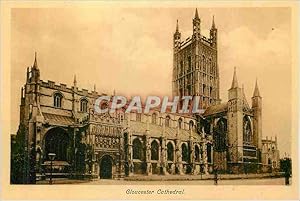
(61, 120)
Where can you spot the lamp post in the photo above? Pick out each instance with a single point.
(51, 157)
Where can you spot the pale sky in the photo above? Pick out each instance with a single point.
(130, 50)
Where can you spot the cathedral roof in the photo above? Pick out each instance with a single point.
(214, 109)
(156, 131)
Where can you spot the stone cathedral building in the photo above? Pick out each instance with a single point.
(60, 119)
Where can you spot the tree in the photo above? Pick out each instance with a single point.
(286, 165)
(19, 158)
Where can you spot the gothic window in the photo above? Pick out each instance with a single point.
(154, 150)
(180, 123)
(191, 125)
(247, 132)
(83, 105)
(170, 151)
(167, 121)
(203, 62)
(189, 63)
(220, 135)
(184, 152)
(57, 100)
(210, 66)
(197, 153)
(203, 89)
(181, 67)
(138, 117)
(137, 149)
(154, 116)
(208, 149)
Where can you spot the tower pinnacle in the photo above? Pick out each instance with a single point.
(213, 26)
(234, 80)
(196, 14)
(75, 81)
(256, 90)
(35, 61)
(177, 27)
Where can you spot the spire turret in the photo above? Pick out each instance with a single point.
(35, 62)
(256, 90)
(196, 26)
(177, 36)
(75, 81)
(213, 26)
(234, 80)
(196, 14)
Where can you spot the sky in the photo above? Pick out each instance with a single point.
(129, 50)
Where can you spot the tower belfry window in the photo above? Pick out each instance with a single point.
(83, 105)
(57, 100)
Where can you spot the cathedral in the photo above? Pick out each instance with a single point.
(60, 119)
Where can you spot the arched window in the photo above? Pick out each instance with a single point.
(57, 100)
(138, 117)
(154, 150)
(170, 150)
(197, 153)
(203, 62)
(137, 149)
(185, 152)
(154, 116)
(180, 123)
(208, 149)
(247, 132)
(191, 125)
(220, 135)
(83, 105)
(167, 121)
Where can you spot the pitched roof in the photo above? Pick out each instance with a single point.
(214, 109)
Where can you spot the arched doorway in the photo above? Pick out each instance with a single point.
(57, 141)
(106, 167)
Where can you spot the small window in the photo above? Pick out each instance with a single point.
(167, 122)
(154, 116)
(57, 100)
(180, 123)
(138, 117)
(191, 125)
(83, 105)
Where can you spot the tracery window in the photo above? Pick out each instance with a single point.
(209, 152)
(247, 132)
(154, 150)
(57, 100)
(170, 151)
(197, 153)
(137, 149)
(220, 135)
(185, 152)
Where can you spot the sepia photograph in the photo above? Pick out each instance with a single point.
(150, 100)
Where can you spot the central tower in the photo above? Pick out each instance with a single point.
(195, 65)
